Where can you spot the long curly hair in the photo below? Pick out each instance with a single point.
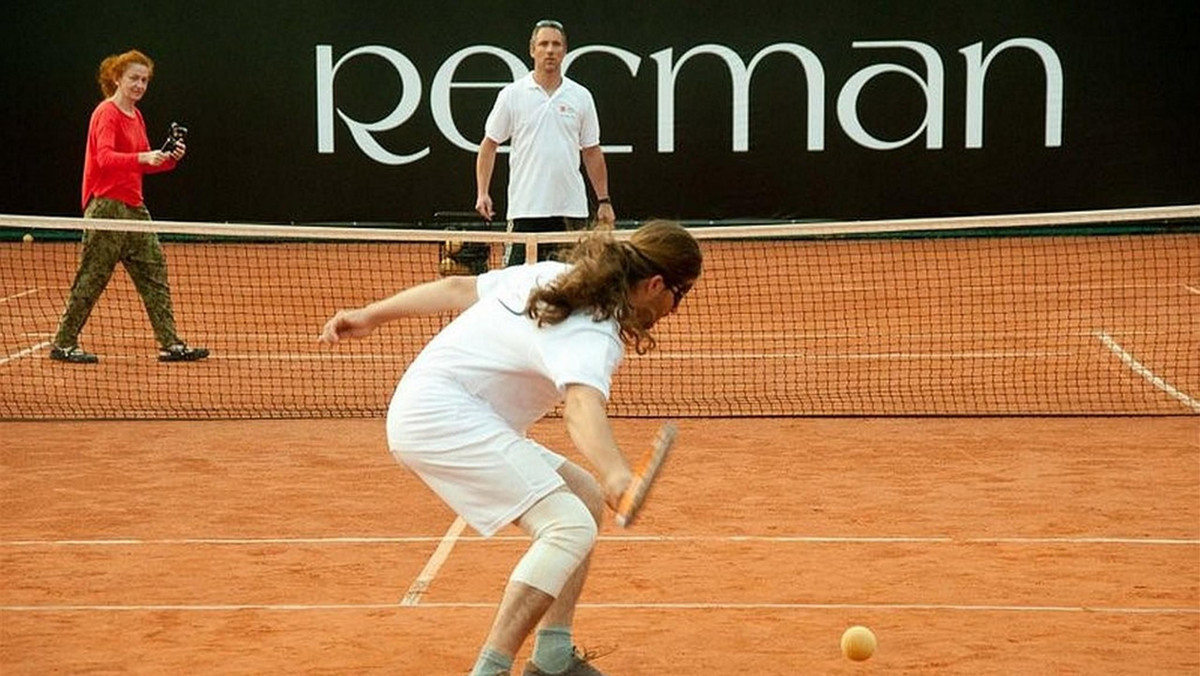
(605, 270)
(113, 67)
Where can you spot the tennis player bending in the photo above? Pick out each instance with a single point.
(528, 338)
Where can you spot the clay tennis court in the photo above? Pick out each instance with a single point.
(970, 544)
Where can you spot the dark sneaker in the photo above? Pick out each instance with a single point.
(181, 352)
(579, 667)
(73, 355)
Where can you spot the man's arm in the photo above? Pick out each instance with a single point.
(597, 171)
(588, 426)
(449, 294)
(485, 164)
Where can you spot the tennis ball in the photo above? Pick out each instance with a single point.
(27, 238)
(858, 643)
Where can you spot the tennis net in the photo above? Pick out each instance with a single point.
(1083, 313)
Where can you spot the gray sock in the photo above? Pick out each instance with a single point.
(553, 649)
(492, 663)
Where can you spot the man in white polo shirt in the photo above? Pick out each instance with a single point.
(553, 124)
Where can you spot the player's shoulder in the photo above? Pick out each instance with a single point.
(543, 272)
(539, 269)
(549, 268)
(519, 278)
(582, 328)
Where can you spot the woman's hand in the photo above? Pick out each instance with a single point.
(153, 158)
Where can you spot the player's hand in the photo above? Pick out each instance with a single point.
(346, 324)
(614, 484)
(180, 151)
(483, 205)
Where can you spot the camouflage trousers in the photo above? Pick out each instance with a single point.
(143, 259)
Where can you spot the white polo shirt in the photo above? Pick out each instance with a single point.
(494, 369)
(547, 133)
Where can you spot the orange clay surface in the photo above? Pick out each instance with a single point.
(970, 546)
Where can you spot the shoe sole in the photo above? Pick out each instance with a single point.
(69, 360)
(183, 358)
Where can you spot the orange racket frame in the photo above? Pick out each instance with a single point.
(644, 475)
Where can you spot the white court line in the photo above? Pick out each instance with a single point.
(23, 353)
(295, 607)
(258, 357)
(1150, 377)
(1009, 354)
(995, 336)
(297, 337)
(306, 338)
(682, 356)
(19, 295)
(454, 534)
(429, 572)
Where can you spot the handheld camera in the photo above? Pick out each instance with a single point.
(176, 134)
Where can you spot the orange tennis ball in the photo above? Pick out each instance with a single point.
(858, 643)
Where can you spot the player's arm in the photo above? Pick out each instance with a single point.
(449, 294)
(597, 171)
(588, 426)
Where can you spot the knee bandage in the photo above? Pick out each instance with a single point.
(563, 532)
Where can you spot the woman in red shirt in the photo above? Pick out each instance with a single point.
(118, 154)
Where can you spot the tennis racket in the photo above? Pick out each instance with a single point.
(644, 475)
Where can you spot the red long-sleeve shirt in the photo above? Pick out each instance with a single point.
(110, 165)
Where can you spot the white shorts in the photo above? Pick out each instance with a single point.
(488, 481)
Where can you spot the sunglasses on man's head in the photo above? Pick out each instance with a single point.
(548, 23)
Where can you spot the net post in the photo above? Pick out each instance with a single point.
(531, 247)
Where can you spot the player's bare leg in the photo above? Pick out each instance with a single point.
(520, 609)
(519, 612)
(554, 648)
(562, 612)
(564, 529)
(581, 483)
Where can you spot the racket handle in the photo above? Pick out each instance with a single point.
(628, 501)
(644, 475)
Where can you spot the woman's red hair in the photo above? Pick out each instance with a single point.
(113, 67)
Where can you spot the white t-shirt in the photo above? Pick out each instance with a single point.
(494, 366)
(547, 133)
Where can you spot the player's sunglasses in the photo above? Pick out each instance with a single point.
(679, 291)
(548, 23)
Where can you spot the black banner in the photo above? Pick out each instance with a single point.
(369, 111)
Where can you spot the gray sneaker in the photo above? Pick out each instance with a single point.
(579, 666)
